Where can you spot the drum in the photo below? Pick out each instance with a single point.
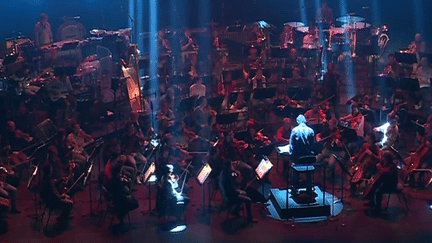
(71, 30)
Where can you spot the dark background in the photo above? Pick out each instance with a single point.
(403, 17)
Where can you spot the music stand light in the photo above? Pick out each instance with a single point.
(149, 172)
(264, 166)
(204, 173)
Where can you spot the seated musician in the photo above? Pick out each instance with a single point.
(60, 90)
(132, 143)
(286, 38)
(50, 193)
(165, 117)
(203, 114)
(77, 140)
(259, 80)
(365, 161)
(315, 116)
(252, 59)
(420, 159)
(356, 122)
(297, 80)
(198, 88)
(391, 132)
(284, 132)
(283, 105)
(392, 69)
(12, 141)
(330, 136)
(171, 200)
(8, 191)
(231, 194)
(385, 181)
(256, 36)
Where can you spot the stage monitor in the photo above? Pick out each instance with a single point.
(264, 166)
(204, 173)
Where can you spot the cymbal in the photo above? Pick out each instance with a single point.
(303, 29)
(350, 19)
(97, 32)
(295, 24)
(357, 26)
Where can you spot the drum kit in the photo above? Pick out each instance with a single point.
(352, 31)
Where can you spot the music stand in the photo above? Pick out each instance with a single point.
(204, 173)
(147, 175)
(266, 93)
(299, 93)
(406, 58)
(264, 166)
(187, 104)
(408, 84)
(226, 119)
(215, 102)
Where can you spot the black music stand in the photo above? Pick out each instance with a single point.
(406, 58)
(226, 119)
(277, 52)
(146, 180)
(187, 104)
(408, 84)
(215, 102)
(233, 96)
(299, 93)
(266, 93)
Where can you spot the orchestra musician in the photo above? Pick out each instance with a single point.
(417, 45)
(286, 39)
(231, 194)
(171, 201)
(331, 139)
(331, 89)
(198, 88)
(256, 36)
(259, 80)
(77, 140)
(188, 43)
(385, 181)
(43, 33)
(424, 75)
(163, 43)
(392, 69)
(165, 117)
(324, 15)
(283, 134)
(8, 191)
(356, 120)
(365, 162)
(52, 197)
(315, 116)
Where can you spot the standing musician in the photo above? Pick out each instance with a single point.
(43, 33)
(324, 15)
(77, 140)
(50, 193)
(188, 43)
(384, 181)
(163, 43)
(331, 88)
